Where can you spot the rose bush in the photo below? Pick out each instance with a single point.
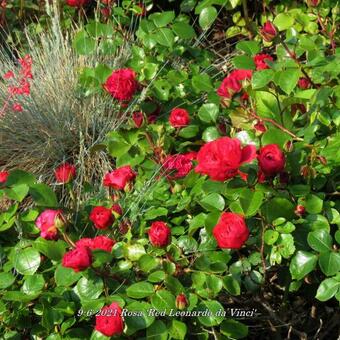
(223, 192)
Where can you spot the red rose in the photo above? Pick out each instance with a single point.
(304, 83)
(233, 83)
(179, 118)
(109, 321)
(268, 31)
(221, 158)
(231, 231)
(48, 222)
(84, 242)
(181, 301)
(138, 119)
(118, 178)
(300, 210)
(260, 61)
(313, 3)
(116, 208)
(64, 173)
(178, 166)
(101, 217)
(78, 259)
(271, 160)
(102, 242)
(17, 107)
(152, 118)
(77, 3)
(3, 176)
(159, 234)
(122, 84)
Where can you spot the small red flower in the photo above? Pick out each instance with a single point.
(231, 231)
(65, 173)
(181, 301)
(117, 209)
(78, 259)
(178, 166)
(3, 176)
(109, 321)
(304, 83)
(268, 31)
(260, 61)
(118, 178)
(77, 3)
(138, 118)
(17, 107)
(300, 210)
(48, 222)
(233, 83)
(8, 75)
(101, 217)
(179, 118)
(260, 127)
(159, 234)
(271, 160)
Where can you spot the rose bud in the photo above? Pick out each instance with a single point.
(322, 160)
(179, 118)
(260, 127)
(117, 210)
(271, 160)
(122, 84)
(138, 118)
(307, 171)
(3, 176)
(289, 146)
(304, 83)
(124, 227)
(101, 217)
(181, 301)
(78, 259)
(65, 173)
(313, 3)
(118, 178)
(298, 107)
(49, 221)
(231, 231)
(220, 159)
(260, 61)
(268, 31)
(300, 210)
(109, 320)
(159, 234)
(77, 3)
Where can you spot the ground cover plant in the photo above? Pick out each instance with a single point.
(170, 170)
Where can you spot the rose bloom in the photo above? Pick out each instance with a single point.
(178, 166)
(64, 173)
(304, 83)
(3, 176)
(138, 119)
(77, 3)
(99, 242)
(116, 208)
(17, 107)
(220, 159)
(48, 222)
(260, 61)
(78, 259)
(101, 217)
(231, 231)
(179, 118)
(159, 234)
(233, 83)
(268, 31)
(122, 84)
(109, 321)
(118, 178)
(271, 160)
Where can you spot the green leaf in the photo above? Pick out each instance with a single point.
(154, 213)
(210, 133)
(234, 329)
(177, 330)
(157, 331)
(327, 289)
(287, 79)
(201, 83)
(212, 202)
(207, 17)
(266, 105)
(174, 285)
(189, 131)
(302, 264)
(243, 62)
(65, 276)
(320, 240)
(231, 285)
(118, 148)
(147, 263)
(208, 113)
(161, 19)
(329, 263)
(183, 30)
(283, 21)
(271, 236)
(6, 280)
(261, 78)
(54, 250)
(313, 204)
(140, 290)
(163, 300)
(275, 136)
(165, 37)
(278, 207)
(43, 195)
(157, 276)
(17, 192)
(134, 251)
(90, 288)
(214, 313)
(138, 316)
(17, 177)
(83, 44)
(33, 284)
(27, 261)
(249, 47)
(248, 202)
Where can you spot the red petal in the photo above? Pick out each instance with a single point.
(248, 153)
